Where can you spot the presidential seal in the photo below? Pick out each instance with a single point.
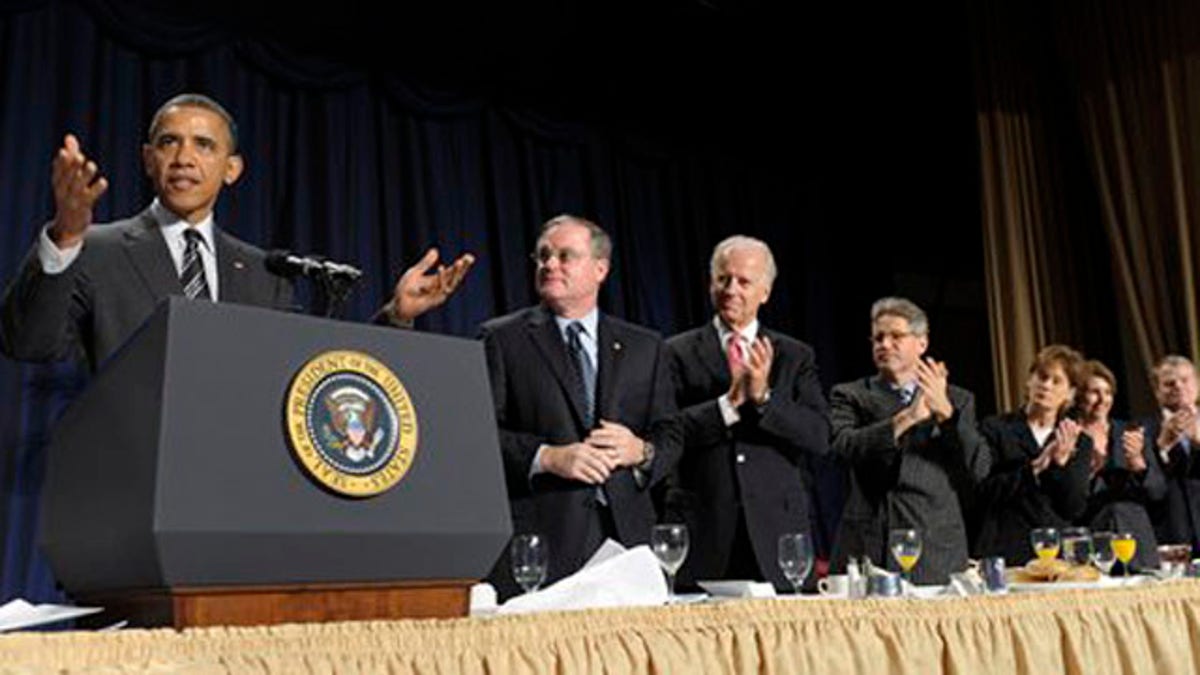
(351, 423)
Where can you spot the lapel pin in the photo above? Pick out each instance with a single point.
(239, 265)
(616, 346)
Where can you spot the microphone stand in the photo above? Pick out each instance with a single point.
(334, 289)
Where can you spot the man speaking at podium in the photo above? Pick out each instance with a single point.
(89, 287)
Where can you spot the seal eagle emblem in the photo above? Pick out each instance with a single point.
(351, 423)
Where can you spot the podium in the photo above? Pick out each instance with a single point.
(173, 495)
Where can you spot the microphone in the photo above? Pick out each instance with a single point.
(288, 264)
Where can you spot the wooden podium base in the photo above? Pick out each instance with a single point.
(195, 606)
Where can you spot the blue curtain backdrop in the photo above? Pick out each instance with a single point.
(364, 164)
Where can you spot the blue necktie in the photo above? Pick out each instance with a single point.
(585, 372)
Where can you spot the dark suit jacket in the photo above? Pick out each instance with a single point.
(535, 405)
(1176, 515)
(1012, 501)
(120, 276)
(1119, 498)
(924, 482)
(760, 461)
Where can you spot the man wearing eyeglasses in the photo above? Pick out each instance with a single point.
(914, 455)
(753, 414)
(584, 406)
(1175, 433)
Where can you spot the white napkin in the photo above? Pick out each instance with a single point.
(612, 578)
(18, 614)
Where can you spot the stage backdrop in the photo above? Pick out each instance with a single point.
(360, 162)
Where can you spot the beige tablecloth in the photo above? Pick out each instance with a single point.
(1137, 630)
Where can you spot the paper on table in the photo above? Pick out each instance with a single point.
(619, 579)
(736, 588)
(18, 614)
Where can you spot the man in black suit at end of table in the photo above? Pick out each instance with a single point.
(911, 445)
(583, 402)
(1175, 433)
(85, 288)
(753, 414)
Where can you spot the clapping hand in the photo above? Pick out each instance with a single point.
(1179, 426)
(1133, 443)
(77, 185)
(758, 370)
(1061, 447)
(933, 378)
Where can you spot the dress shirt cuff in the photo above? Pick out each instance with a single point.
(55, 260)
(535, 467)
(728, 413)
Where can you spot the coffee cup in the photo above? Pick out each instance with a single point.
(834, 584)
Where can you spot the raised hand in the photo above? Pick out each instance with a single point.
(417, 291)
(77, 185)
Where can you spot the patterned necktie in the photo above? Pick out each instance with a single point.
(585, 372)
(194, 284)
(735, 353)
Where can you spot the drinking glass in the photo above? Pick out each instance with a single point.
(1076, 545)
(1124, 545)
(1045, 542)
(1103, 555)
(670, 545)
(905, 546)
(528, 554)
(795, 556)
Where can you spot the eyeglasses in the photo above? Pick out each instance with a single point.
(895, 336)
(564, 256)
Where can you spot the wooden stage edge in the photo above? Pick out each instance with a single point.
(197, 606)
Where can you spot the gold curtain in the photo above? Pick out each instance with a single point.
(1150, 630)
(1139, 103)
(1106, 94)
(1031, 278)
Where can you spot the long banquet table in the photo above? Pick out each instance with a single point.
(1150, 629)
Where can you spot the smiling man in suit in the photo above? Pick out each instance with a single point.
(583, 402)
(909, 439)
(87, 287)
(753, 413)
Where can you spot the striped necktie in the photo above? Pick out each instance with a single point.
(584, 371)
(195, 285)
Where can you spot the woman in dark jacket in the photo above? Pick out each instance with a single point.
(1125, 474)
(1040, 462)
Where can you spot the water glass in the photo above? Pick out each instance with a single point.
(529, 555)
(795, 555)
(995, 578)
(1103, 556)
(1077, 545)
(669, 543)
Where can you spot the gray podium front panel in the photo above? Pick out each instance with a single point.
(230, 504)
